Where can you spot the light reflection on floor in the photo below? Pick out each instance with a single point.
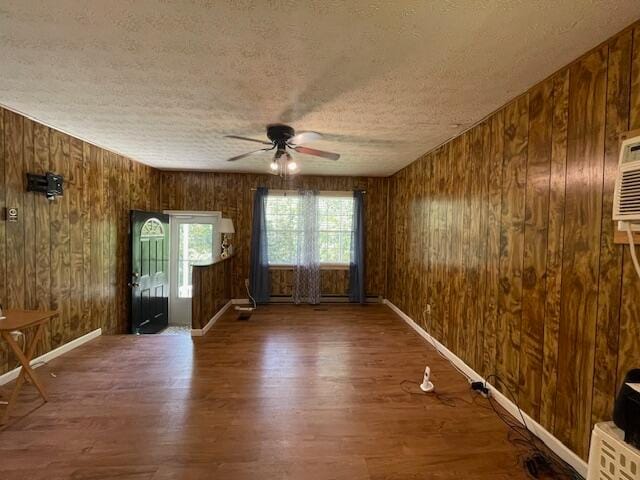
(176, 330)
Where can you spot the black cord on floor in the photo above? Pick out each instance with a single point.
(443, 398)
(541, 461)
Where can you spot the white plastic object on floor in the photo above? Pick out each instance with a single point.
(610, 457)
(426, 386)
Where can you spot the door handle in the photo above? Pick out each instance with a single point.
(134, 283)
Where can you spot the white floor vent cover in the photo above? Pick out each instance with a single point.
(610, 458)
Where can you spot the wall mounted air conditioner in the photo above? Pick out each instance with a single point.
(626, 199)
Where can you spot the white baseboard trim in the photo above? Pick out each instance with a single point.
(199, 332)
(56, 352)
(549, 440)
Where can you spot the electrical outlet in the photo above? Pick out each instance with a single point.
(481, 389)
(428, 309)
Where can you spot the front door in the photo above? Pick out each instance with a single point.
(149, 271)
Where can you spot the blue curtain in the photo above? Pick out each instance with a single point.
(356, 263)
(259, 282)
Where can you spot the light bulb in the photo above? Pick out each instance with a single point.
(292, 166)
(273, 166)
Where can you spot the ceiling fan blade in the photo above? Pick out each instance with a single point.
(317, 153)
(238, 137)
(305, 137)
(233, 159)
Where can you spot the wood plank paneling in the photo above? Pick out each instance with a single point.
(555, 242)
(95, 174)
(481, 264)
(431, 229)
(457, 158)
(4, 348)
(512, 241)
(414, 241)
(42, 226)
(29, 219)
(28, 226)
(580, 263)
(14, 170)
(462, 180)
(211, 290)
(494, 163)
(475, 267)
(59, 146)
(559, 323)
(74, 189)
(535, 245)
(108, 246)
(70, 254)
(122, 247)
(610, 276)
(87, 287)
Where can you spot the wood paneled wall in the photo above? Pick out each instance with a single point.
(231, 193)
(70, 254)
(211, 290)
(333, 282)
(506, 232)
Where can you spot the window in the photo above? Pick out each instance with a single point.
(195, 247)
(335, 222)
(152, 228)
(284, 226)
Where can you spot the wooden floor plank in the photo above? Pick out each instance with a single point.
(293, 393)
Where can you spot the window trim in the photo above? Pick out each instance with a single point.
(322, 193)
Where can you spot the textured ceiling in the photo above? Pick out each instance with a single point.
(164, 81)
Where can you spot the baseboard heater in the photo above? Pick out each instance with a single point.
(323, 299)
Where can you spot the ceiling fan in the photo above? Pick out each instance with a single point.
(283, 137)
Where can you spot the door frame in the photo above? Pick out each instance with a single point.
(175, 217)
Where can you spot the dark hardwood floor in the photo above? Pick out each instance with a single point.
(295, 393)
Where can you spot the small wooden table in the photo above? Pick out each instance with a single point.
(19, 320)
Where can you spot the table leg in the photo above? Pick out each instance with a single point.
(25, 370)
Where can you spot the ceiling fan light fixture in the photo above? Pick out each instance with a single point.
(283, 137)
